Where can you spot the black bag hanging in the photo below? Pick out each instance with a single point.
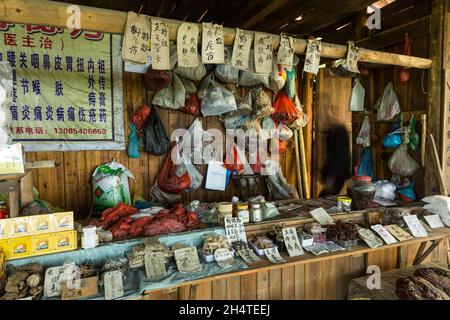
(156, 140)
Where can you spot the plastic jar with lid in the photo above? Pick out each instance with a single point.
(243, 213)
(362, 191)
(256, 212)
(225, 210)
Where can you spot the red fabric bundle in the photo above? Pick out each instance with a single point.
(192, 106)
(156, 80)
(168, 181)
(140, 117)
(232, 161)
(163, 226)
(137, 227)
(285, 110)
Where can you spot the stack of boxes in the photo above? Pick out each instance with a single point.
(23, 237)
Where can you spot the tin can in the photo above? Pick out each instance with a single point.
(344, 204)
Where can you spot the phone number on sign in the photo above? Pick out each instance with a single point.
(91, 131)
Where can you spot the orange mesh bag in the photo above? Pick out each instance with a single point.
(285, 110)
(168, 181)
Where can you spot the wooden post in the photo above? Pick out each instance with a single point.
(297, 164)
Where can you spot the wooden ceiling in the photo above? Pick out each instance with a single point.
(274, 16)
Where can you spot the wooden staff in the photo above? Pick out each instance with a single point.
(303, 164)
(424, 138)
(297, 165)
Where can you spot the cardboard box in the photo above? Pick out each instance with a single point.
(87, 288)
(41, 224)
(20, 226)
(4, 248)
(19, 248)
(63, 221)
(65, 241)
(5, 231)
(42, 244)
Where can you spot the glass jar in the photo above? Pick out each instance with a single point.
(225, 210)
(243, 213)
(362, 191)
(256, 212)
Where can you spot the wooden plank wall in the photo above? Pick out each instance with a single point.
(68, 185)
(314, 281)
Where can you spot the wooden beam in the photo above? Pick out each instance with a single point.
(52, 13)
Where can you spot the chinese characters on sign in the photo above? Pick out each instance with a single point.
(234, 229)
(352, 57)
(113, 283)
(263, 53)
(292, 242)
(136, 38)
(241, 49)
(187, 44)
(160, 45)
(249, 256)
(213, 48)
(66, 88)
(415, 226)
(312, 59)
(286, 51)
(187, 260)
(273, 255)
(155, 264)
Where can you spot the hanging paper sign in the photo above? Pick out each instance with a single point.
(312, 59)
(55, 277)
(434, 221)
(352, 57)
(249, 256)
(398, 233)
(263, 53)
(285, 55)
(273, 255)
(113, 283)
(321, 216)
(213, 48)
(224, 257)
(384, 234)
(415, 226)
(136, 38)
(160, 45)
(241, 49)
(155, 264)
(234, 229)
(370, 238)
(187, 44)
(292, 242)
(187, 260)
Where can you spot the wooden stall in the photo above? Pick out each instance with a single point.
(68, 185)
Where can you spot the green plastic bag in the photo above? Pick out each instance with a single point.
(414, 139)
(110, 186)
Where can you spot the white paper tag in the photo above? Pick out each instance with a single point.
(434, 221)
(224, 257)
(213, 48)
(187, 44)
(216, 176)
(352, 57)
(263, 53)
(384, 234)
(415, 226)
(285, 55)
(241, 49)
(234, 229)
(55, 277)
(113, 284)
(273, 255)
(398, 233)
(160, 45)
(187, 260)
(155, 265)
(312, 59)
(321, 216)
(292, 242)
(136, 38)
(249, 256)
(370, 238)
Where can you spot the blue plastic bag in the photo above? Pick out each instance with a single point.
(289, 87)
(394, 139)
(365, 165)
(409, 191)
(133, 143)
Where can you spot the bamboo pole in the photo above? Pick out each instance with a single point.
(52, 13)
(304, 172)
(297, 166)
(437, 163)
(424, 138)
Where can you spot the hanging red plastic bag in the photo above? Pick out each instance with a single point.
(156, 80)
(168, 181)
(285, 110)
(140, 117)
(232, 160)
(192, 106)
